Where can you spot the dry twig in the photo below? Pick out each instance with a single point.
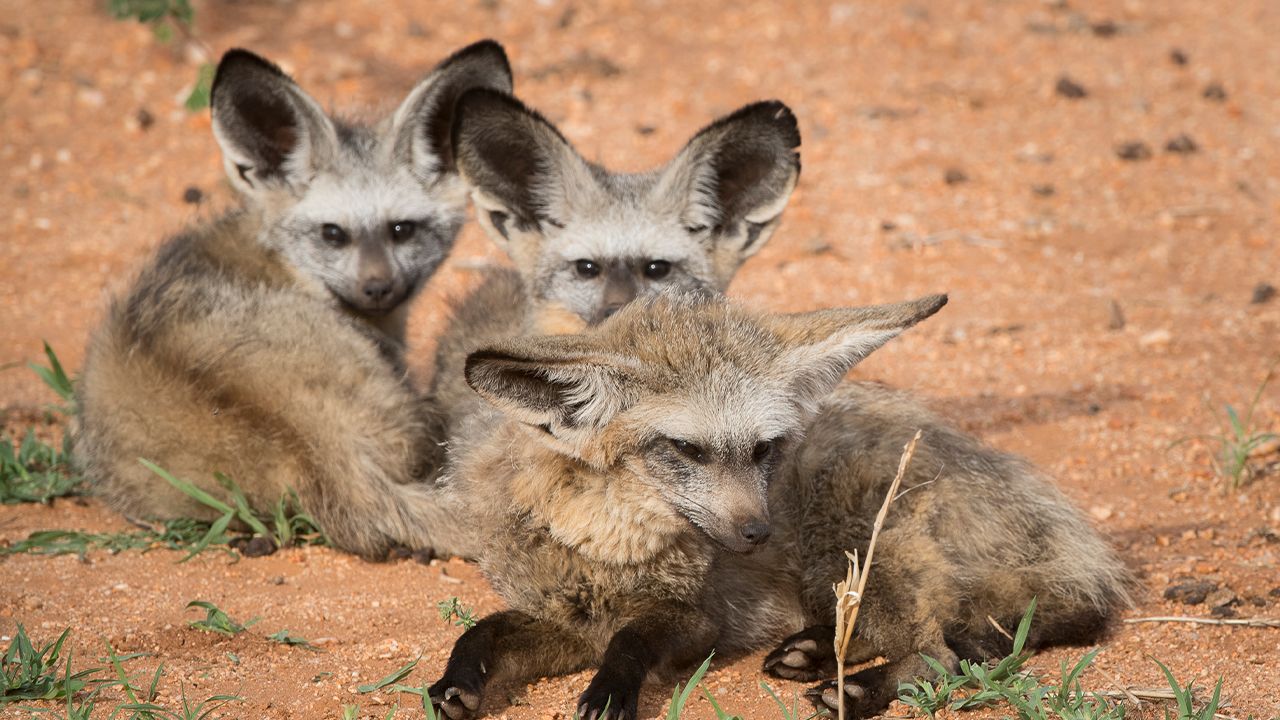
(1242, 622)
(848, 600)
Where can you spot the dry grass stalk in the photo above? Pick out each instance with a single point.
(848, 600)
(1241, 622)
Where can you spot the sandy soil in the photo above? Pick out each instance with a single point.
(938, 155)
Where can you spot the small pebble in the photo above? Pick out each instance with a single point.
(1045, 190)
(1181, 145)
(1069, 88)
(1134, 150)
(954, 176)
(645, 129)
(1262, 292)
(1155, 338)
(1178, 57)
(1190, 592)
(192, 195)
(145, 119)
(1215, 92)
(1105, 29)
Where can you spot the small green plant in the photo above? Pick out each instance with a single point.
(284, 638)
(216, 620)
(1184, 698)
(793, 712)
(34, 471)
(1239, 439)
(453, 609)
(200, 711)
(680, 695)
(392, 679)
(289, 524)
(31, 674)
(350, 712)
(985, 685)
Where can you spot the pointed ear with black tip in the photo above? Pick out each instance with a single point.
(522, 172)
(731, 182)
(423, 122)
(272, 134)
(560, 383)
(822, 346)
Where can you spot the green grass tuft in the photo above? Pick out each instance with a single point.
(217, 621)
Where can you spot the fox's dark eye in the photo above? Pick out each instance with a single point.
(695, 229)
(657, 269)
(403, 230)
(763, 451)
(334, 235)
(586, 268)
(689, 450)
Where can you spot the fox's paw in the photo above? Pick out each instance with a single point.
(866, 693)
(609, 697)
(806, 656)
(457, 695)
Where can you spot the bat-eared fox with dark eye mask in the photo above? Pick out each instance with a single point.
(582, 557)
(266, 344)
(672, 482)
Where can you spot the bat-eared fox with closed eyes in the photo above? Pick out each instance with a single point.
(267, 343)
(631, 469)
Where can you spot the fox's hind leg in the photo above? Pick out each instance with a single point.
(869, 691)
(810, 654)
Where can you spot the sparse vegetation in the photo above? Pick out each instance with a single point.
(217, 621)
(1240, 439)
(392, 680)
(453, 610)
(31, 674)
(34, 471)
(285, 638)
(168, 18)
(980, 685)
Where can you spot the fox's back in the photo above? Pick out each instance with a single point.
(196, 365)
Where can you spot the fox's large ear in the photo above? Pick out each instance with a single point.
(733, 179)
(561, 383)
(271, 133)
(424, 120)
(822, 346)
(522, 172)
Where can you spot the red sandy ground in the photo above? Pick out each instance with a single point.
(891, 96)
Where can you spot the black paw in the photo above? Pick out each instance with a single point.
(806, 656)
(457, 694)
(609, 697)
(866, 693)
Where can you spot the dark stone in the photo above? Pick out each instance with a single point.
(257, 546)
(1105, 29)
(954, 176)
(1181, 144)
(1262, 292)
(1223, 611)
(1134, 150)
(145, 119)
(645, 129)
(1045, 190)
(1069, 88)
(1190, 592)
(192, 195)
(1178, 57)
(1215, 92)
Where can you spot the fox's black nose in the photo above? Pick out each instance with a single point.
(376, 290)
(755, 533)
